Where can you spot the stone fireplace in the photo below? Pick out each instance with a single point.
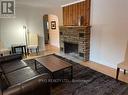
(75, 40)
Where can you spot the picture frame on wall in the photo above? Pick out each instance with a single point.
(53, 24)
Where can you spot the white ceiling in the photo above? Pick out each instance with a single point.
(44, 3)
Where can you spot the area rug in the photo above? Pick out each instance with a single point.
(85, 82)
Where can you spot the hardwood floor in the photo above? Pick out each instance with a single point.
(49, 49)
(106, 70)
(95, 66)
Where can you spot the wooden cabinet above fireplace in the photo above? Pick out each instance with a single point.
(74, 13)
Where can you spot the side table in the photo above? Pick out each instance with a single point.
(22, 47)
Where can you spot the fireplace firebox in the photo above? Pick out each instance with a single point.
(70, 48)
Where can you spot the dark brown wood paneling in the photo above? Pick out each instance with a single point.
(72, 13)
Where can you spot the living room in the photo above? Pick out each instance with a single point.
(105, 44)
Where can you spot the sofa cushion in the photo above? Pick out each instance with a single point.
(16, 90)
(20, 75)
(10, 57)
(13, 65)
(33, 86)
(41, 86)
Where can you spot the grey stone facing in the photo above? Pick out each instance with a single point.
(77, 35)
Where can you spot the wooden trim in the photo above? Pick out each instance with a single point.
(72, 3)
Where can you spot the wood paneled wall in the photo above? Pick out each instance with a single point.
(72, 13)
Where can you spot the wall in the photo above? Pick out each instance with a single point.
(109, 35)
(58, 12)
(54, 33)
(11, 30)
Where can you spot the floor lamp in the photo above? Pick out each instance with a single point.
(25, 30)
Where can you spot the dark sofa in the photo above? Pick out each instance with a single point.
(16, 78)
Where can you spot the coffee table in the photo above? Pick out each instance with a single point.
(53, 64)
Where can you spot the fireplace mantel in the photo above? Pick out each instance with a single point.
(76, 35)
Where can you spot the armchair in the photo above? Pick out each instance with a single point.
(32, 42)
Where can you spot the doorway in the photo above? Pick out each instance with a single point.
(51, 30)
(46, 28)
